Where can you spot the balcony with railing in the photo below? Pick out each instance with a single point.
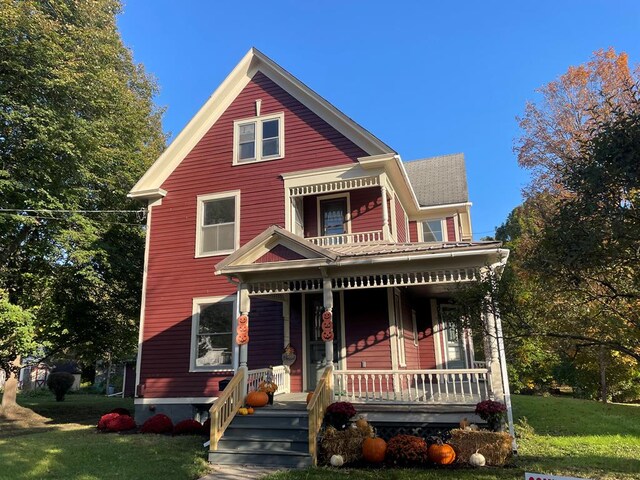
(347, 238)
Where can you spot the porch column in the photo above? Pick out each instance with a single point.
(386, 234)
(493, 359)
(327, 320)
(242, 331)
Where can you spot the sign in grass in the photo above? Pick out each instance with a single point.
(542, 476)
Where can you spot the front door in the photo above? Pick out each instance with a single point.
(453, 339)
(316, 358)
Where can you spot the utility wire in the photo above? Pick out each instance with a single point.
(47, 210)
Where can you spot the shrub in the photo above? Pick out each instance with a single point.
(159, 423)
(102, 423)
(120, 424)
(206, 427)
(338, 414)
(187, 427)
(406, 450)
(60, 383)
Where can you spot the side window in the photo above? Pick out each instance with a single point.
(218, 224)
(212, 339)
(258, 139)
(432, 231)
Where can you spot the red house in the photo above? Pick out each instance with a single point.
(275, 221)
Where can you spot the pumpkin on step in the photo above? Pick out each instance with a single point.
(374, 450)
(309, 395)
(257, 399)
(441, 453)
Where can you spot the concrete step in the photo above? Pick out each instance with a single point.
(246, 432)
(272, 420)
(263, 444)
(273, 458)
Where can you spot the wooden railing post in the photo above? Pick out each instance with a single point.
(319, 402)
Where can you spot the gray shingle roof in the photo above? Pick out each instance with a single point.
(439, 180)
(385, 248)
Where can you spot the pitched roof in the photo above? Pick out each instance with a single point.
(439, 180)
(254, 61)
(383, 248)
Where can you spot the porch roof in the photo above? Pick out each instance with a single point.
(385, 249)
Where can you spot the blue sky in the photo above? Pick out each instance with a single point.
(426, 77)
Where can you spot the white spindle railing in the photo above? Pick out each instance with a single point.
(347, 238)
(465, 386)
(280, 375)
(478, 364)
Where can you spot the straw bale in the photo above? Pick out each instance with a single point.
(347, 443)
(495, 446)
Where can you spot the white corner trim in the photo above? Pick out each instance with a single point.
(195, 311)
(393, 333)
(201, 199)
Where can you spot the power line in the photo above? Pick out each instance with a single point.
(49, 210)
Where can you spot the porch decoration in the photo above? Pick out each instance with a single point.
(327, 326)
(338, 414)
(492, 412)
(406, 450)
(310, 396)
(441, 453)
(116, 422)
(477, 460)
(242, 330)
(336, 460)
(495, 447)
(256, 399)
(288, 355)
(346, 443)
(269, 387)
(374, 450)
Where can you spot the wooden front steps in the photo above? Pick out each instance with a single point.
(274, 437)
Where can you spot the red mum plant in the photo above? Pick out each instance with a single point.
(159, 423)
(491, 412)
(121, 423)
(206, 427)
(406, 450)
(102, 423)
(187, 427)
(338, 414)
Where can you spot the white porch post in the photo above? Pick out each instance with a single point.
(386, 233)
(493, 360)
(242, 331)
(327, 333)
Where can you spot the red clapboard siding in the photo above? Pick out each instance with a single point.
(367, 329)
(266, 328)
(174, 276)
(451, 230)
(413, 231)
(279, 253)
(401, 226)
(426, 344)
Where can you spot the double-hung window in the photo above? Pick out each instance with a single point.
(218, 224)
(432, 231)
(211, 333)
(258, 139)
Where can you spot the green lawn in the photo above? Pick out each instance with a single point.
(69, 447)
(561, 436)
(564, 437)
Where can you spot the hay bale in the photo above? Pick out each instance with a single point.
(495, 446)
(347, 443)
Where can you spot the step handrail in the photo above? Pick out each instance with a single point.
(225, 408)
(320, 400)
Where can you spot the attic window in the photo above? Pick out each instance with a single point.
(258, 139)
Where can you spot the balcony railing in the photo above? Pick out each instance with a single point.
(347, 238)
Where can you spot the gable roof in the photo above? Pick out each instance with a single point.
(439, 180)
(254, 61)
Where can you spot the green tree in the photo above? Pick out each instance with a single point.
(78, 127)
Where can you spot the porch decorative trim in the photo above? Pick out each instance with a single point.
(463, 386)
(347, 238)
(321, 399)
(335, 186)
(226, 407)
(365, 281)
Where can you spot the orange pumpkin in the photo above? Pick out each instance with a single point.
(441, 454)
(242, 328)
(374, 450)
(327, 315)
(250, 410)
(242, 339)
(327, 324)
(257, 399)
(309, 395)
(242, 319)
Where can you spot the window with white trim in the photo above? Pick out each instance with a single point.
(258, 139)
(433, 230)
(218, 224)
(212, 333)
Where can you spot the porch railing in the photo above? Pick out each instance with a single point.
(347, 238)
(280, 376)
(464, 386)
(321, 399)
(225, 408)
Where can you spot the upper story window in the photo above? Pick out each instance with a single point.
(333, 215)
(218, 224)
(258, 139)
(212, 333)
(432, 231)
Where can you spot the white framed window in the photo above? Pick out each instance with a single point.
(433, 230)
(334, 217)
(258, 139)
(218, 224)
(399, 320)
(212, 324)
(414, 324)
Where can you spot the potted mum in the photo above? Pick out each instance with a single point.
(269, 387)
(493, 413)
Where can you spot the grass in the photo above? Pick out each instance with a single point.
(58, 440)
(560, 436)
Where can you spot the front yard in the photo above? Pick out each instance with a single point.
(561, 436)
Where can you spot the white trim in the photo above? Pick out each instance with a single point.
(343, 334)
(305, 360)
(170, 400)
(150, 193)
(286, 318)
(392, 329)
(347, 221)
(195, 310)
(399, 322)
(435, 331)
(143, 300)
(200, 216)
(258, 121)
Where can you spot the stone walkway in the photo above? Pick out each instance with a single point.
(238, 472)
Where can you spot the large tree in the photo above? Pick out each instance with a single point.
(78, 126)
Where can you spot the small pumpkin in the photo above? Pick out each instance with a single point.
(374, 450)
(362, 423)
(242, 339)
(309, 396)
(243, 411)
(242, 319)
(250, 410)
(327, 315)
(327, 324)
(441, 453)
(477, 460)
(242, 328)
(337, 460)
(257, 399)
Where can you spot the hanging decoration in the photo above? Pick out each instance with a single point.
(327, 326)
(242, 330)
(288, 355)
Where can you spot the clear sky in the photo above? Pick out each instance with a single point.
(426, 77)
